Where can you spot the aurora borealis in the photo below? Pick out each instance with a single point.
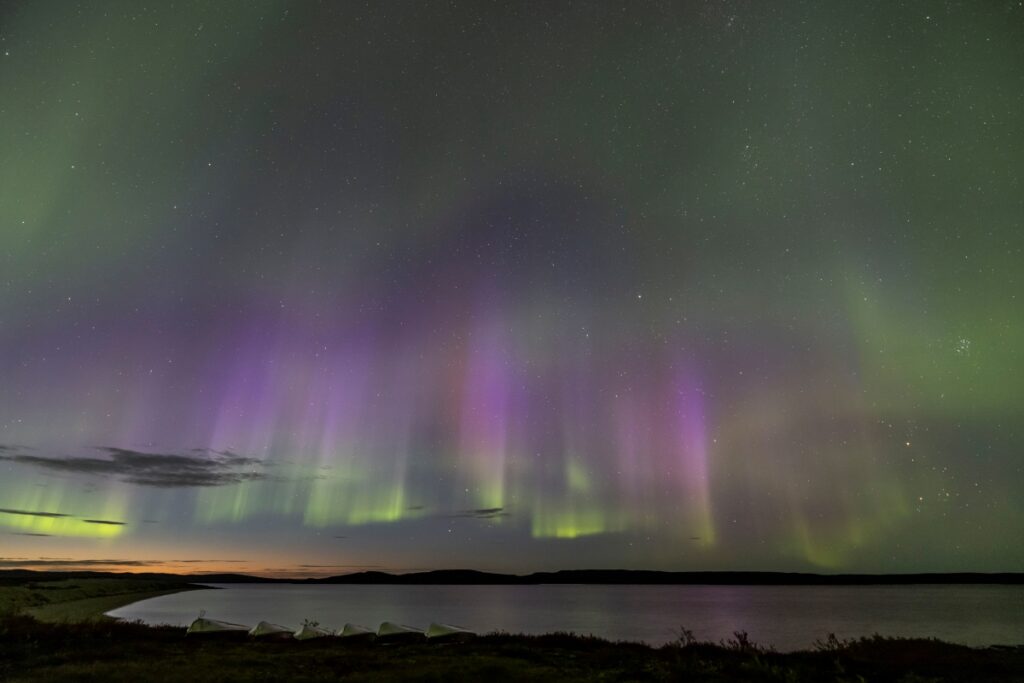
(300, 288)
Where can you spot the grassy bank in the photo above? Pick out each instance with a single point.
(31, 650)
(74, 600)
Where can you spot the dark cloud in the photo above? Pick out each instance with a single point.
(482, 513)
(69, 562)
(26, 533)
(103, 521)
(202, 561)
(339, 566)
(43, 562)
(33, 513)
(56, 515)
(161, 470)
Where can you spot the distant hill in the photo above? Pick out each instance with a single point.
(571, 576)
(22, 575)
(642, 577)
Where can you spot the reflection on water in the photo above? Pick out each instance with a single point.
(786, 617)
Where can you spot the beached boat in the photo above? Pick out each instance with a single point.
(204, 626)
(448, 632)
(356, 632)
(312, 630)
(392, 631)
(265, 629)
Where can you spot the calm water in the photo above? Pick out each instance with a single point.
(787, 617)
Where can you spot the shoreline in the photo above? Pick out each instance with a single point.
(73, 600)
(57, 631)
(630, 577)
(90, 599)
(95, 609)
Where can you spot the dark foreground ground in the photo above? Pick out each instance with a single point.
(31, 650)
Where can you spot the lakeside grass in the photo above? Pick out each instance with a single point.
(76, 600)
(54, 631)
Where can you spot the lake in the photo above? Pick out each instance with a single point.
(785, 617)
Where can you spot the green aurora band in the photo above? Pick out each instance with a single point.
(515, 287)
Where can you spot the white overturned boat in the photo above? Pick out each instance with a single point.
(356, 632)
(204, 626)
(448, 632)
(392, 631)
(310, 631)
(265, 629)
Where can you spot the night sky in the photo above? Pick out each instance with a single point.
(301, 288)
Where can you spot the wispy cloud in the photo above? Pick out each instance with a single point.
(43, 562)
(103, 521)
(33, 513)
(339, 566)
(57, 515)
(482, 513)
(199, 467)
(28, 533)
(67, 562)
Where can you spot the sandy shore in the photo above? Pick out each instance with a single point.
(89, 609)
(78, 600)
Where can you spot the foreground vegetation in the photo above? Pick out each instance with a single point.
(80, 647)
(31, 650)
(79, 599)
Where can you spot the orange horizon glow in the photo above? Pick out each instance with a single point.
(187, 569)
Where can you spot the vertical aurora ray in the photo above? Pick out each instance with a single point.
(693, 473)
(486, 408)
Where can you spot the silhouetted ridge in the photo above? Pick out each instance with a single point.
(569, 576)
